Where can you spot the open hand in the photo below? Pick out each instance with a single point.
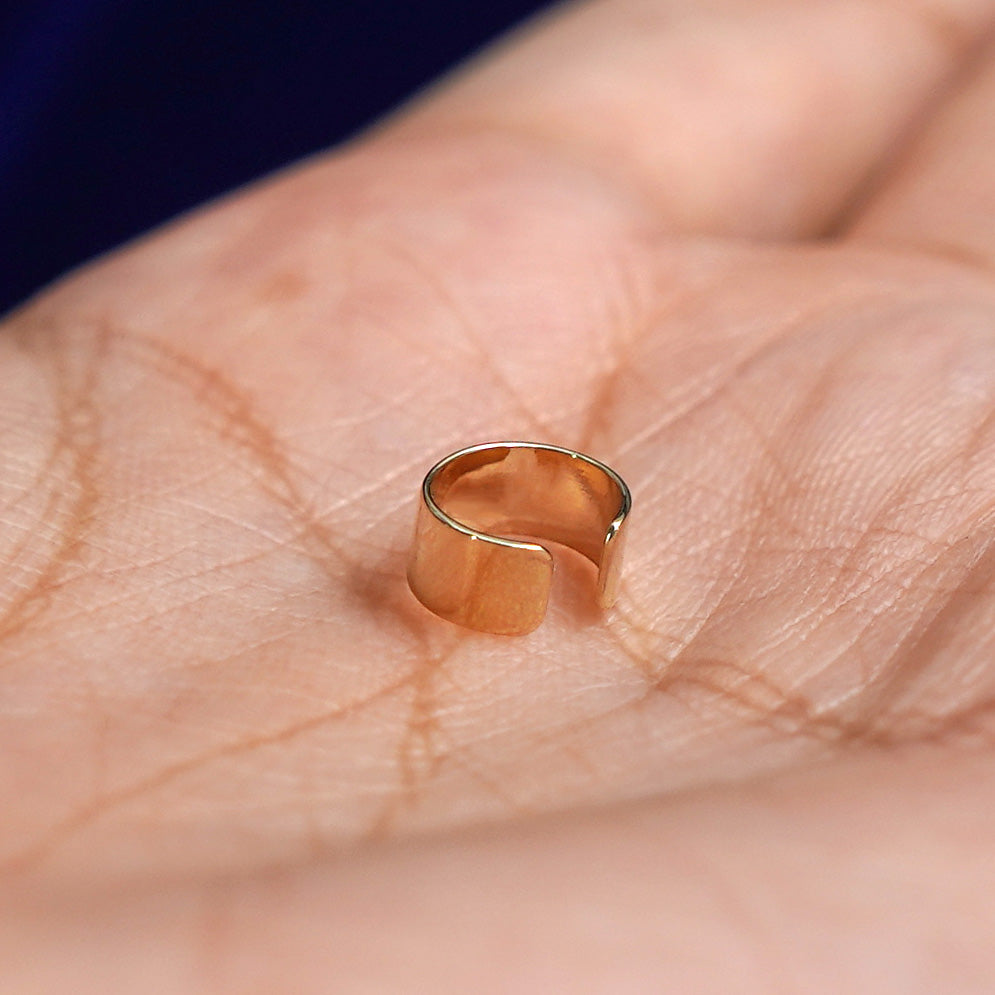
(745, 253)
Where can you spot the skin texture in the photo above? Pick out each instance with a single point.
(745, 253)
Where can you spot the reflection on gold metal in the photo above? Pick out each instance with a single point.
(468, 564)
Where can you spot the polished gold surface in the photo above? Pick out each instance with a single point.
(472, 562)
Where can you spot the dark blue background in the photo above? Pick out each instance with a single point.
(117, 114)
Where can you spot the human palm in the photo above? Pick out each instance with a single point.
(744, 255)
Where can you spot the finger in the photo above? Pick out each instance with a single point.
(942, 200)
(733, 117)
